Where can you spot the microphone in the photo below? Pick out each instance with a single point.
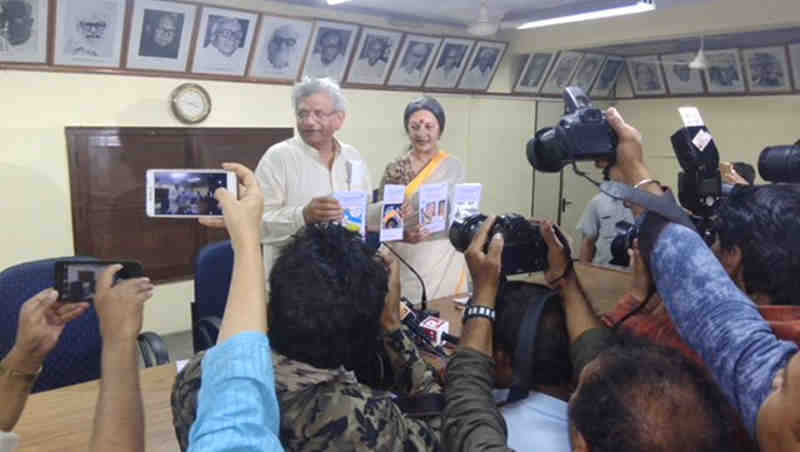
(424, 301)
(410, 320)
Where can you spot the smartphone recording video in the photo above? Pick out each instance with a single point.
(77, 280)
(182, 193)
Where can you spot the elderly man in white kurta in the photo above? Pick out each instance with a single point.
(298, 176)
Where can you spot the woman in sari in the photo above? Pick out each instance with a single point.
(441, 267)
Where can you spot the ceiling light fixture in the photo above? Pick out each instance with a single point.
(336, 2)
(617, 9)
(484, 25)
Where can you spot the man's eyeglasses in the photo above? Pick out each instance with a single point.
(288, 42)
(228, 34)
(170, 31)
(93, 26)
(316, 114)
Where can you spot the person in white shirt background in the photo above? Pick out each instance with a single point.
(299, 175)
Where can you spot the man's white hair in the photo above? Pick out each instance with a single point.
(310, 86)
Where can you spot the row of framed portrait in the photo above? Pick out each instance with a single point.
(765, 70)
(163, 36)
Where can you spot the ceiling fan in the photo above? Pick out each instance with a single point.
(485, 24)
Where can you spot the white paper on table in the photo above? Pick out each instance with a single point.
(356, 174)
(391, 215)
(433, 207)
(466, 201)
(354, 204)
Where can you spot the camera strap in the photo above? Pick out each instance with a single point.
(664, 205)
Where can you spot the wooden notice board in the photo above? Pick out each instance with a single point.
(107, 168)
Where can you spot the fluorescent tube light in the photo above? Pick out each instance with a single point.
(336, 2)
(638, 7)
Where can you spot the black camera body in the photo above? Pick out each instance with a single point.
(626, 234)
(583, 133)
(524, 249)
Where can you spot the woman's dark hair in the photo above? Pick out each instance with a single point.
(327, 292)
(552, 366)
(764, 222)
(425, 103)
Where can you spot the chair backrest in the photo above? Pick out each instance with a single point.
(212, 278)
(76, 357)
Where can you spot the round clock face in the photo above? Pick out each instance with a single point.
(191, 103)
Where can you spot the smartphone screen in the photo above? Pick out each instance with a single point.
(181, 193)
(77, 281)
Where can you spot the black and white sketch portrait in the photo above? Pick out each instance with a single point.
(646, 77)
(587, 71)
(533, 72)
(281, 45)
(374, 55)
(561, 73)
(224, 41)
(160, 34)
(482, 66)
(724, 74)
(607, 79)
(680, 78)
(450, 63)
(332, 45)
(794, 56)
(416, 57)
(766, 69)
(23, 30)
(89, 32)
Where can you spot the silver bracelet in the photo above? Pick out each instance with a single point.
(645, 182)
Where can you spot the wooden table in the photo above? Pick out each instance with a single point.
(62, 419)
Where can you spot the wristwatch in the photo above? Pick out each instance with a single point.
(24, 376)
(478, 311)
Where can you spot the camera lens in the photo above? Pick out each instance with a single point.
(780, 164)
(462, 232)
(544, 151)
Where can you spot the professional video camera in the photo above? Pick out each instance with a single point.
(582, 134)
(780, 163)
(524, 249)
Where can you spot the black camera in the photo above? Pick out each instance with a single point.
(780, 163)
(627, 233)
(524, 249)
(582, 134)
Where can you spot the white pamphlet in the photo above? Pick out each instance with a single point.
(354, 204)
(433, 207)
(466, 201)
(392, 213)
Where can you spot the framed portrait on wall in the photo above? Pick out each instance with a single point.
(767, 69)
(374, 55)
(449, 63)
(587, 71)
(331, 46)
(23, 33)
(646, 78)
(533, 72)
(607, 79)
(223, 41)
(562, 73)
(680, 78)
(89, 32)
(724, 73)
(482, 65)
(414, 60)
(280, 48)
(794, 57)
(161, 33)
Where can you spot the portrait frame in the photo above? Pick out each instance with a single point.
(361, 71)
(262, 66)
(105, 18)
(561, 73)
(587, 79)
(606, 80)
(473, 81)
(775, 55)
(687, 81)
(400, 76)
(208, 58)
(144, 52)
(347, 32)
(794, 64)
(732, 82)
(540, 62)
(655, 86)
(34, 48)
(437, 79)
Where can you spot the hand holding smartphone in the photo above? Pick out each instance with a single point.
(187, 193)
(77, 280)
